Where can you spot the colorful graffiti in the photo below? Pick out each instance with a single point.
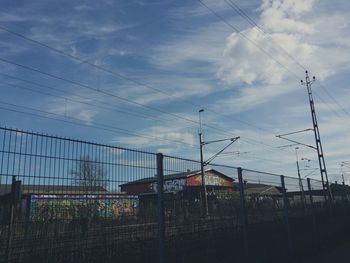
(66, 207)
(211, 179)
(174, 185)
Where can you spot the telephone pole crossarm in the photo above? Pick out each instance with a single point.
(290, 133)
(296, 142)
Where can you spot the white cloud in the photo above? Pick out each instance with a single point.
(86, 116)
(5, 17)
(118, 52)
(162, 136)
(253, 56)
(173, 136)
(67, 108)
(283, 15)
(174, 88)
(200, 46)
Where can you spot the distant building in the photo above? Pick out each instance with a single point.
(184, 193)
(262, 190)
(190, 181)
(66, 202)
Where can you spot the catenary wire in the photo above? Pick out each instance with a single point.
(123, 76)
(130, 101)
(94, 124)
(130, 79)
(251, 21)
(106, 70)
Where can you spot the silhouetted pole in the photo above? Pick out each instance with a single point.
(285, 213)
(299, 177)
(243, 214)
(204, 188)
(321, 161)
(161, 216)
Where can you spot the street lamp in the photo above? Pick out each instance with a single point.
(204, 188)
(204, 163)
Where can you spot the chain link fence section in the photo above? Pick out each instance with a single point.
(72, 200)
(67, 200)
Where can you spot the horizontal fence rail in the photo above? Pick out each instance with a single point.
(65, 200)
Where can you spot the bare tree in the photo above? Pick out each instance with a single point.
(89, 175)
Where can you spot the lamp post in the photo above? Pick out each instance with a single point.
(204, 188)
(204, 163)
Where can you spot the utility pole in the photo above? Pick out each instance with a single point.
(204, 188)
(204, 163)
(300, 181)
(321, 161)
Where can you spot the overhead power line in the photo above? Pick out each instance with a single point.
(247, 38)
(113, 107)
(77, 121)
(258, 27)
(119, 75)
(222, 131)
(333, 99)
(137, 82)
(94, 89)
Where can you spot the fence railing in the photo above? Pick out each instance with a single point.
(77, 201)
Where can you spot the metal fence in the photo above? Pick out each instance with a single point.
(65, 200)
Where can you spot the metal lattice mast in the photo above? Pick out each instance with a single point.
(321, 161)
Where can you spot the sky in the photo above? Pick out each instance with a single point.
(136, 73)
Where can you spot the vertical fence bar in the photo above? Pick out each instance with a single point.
(243, 212)
(285, 213)
(310, 193)
(314, 227)
(12, 218)
(161, 217)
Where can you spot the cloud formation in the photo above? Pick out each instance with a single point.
(267, 53)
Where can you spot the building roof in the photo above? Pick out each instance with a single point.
(262, 189)
(181, 175)
(336, 189)
(53, 189)
(340, 189)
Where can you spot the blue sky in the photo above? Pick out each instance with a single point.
(171, 58)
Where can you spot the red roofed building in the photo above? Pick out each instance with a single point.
(190, 181)
(183, 193)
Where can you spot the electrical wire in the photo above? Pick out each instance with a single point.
(113, 95)
(103, 92)
(128, 78)
(96, 125)
(103, 106)
(122, 76)
(135, 81)
(258, 27)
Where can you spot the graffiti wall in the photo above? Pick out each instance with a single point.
(174, 185)
(69, 207)
(211, 179)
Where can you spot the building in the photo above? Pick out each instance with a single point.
(66, 202)
(183, 193)
(190, 181)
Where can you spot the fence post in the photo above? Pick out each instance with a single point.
(310, 193)
(314, 229)
(161, 216)
(285, 213)
(12, 217)
(243, 212)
